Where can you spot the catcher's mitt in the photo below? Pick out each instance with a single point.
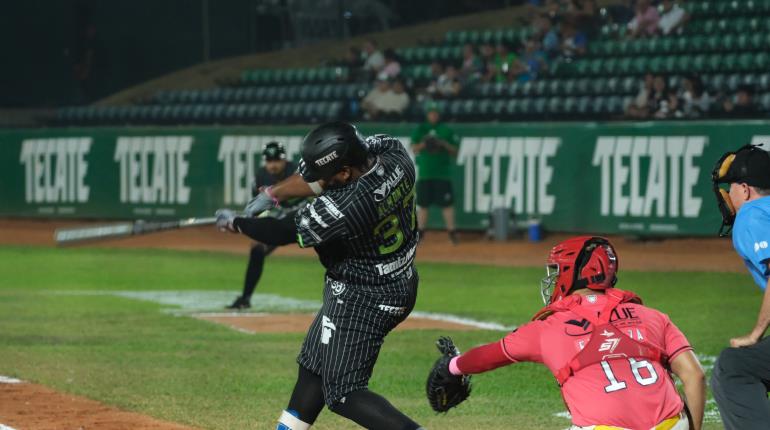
(445, 390)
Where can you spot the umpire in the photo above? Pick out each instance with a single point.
(276, 168)
(363, 227)
(741, 376)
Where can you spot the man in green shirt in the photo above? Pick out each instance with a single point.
(435, 147)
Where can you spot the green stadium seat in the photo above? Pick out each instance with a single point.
(584, 105)
(714, 63)
(610, 66)
(582, 67)
(655, 65)
(729, 42)
(733, 81)
(761, 61)
(569, 87)
(498, 108)
(569, 106)
(555, 106)
(625, 65)
(730, 62)
(556, 87)
(583, 86)
(745, 62)
(629, 85)
(540, 88)
(486, 36)
(526, 106)
(612, 85)
(484, 109)
(598, 105)
(639, 65)
(509, 36)
(526, 89)
(764, 102)
(598, 85)
(666, 45)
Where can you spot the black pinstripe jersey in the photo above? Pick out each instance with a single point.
(365, 232)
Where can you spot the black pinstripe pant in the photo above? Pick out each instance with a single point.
(344, 340)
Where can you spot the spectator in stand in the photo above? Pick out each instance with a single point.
(487, 53)
(544, 31)
(659, 93)
(507, 64)
(585, 15)
(672, 18)
(645, 22)
(533, 59)
(741, 105)
(398, 101)
(670, 107)
(573, 42)
(353, 63)
(472, 66)
(639, 108)
(391, 68)
(695, 100)
(447, 85)
(385, 100)
(373, 58)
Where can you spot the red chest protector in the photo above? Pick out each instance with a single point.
(607, 342)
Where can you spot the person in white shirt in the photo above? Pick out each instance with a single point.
(373, 58)
(672, 18)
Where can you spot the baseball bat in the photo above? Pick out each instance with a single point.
(68, 236)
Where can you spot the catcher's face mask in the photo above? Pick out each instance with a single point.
(720, 177)
(547, 284)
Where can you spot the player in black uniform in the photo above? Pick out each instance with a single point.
(276, 168)
(363, 227)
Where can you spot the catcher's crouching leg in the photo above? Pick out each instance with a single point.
(372, 411)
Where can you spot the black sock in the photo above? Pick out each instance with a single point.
(253, 270)
(372, 411)
(307, 399)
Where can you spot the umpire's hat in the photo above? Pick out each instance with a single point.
(750, 166)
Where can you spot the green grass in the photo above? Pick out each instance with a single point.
(129, 354)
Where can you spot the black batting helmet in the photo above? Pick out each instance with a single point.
(329, 148)
(274, 151)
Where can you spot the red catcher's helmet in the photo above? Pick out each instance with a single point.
(579, 262)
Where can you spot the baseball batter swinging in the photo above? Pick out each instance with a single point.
(363, 227)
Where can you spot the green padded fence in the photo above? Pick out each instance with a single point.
(635, 178)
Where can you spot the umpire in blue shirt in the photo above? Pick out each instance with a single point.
(741, 376)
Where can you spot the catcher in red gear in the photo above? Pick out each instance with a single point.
(612, 356)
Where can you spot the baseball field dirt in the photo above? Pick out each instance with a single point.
(28, 406)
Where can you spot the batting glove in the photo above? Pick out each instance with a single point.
(262, 202)
(225, 218)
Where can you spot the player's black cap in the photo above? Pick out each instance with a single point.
(274, 151)
(329, 148)
(750, 166)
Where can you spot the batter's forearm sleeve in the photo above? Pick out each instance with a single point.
(480, 359)
(270, 231)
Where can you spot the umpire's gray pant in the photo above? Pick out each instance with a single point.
(740, 383)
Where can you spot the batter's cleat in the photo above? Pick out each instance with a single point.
(453, 237)
(240, 303)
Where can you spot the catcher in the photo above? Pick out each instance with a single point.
(610, 354)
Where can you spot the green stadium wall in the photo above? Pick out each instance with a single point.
(624, 178)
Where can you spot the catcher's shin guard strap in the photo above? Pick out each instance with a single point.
(287, 421)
